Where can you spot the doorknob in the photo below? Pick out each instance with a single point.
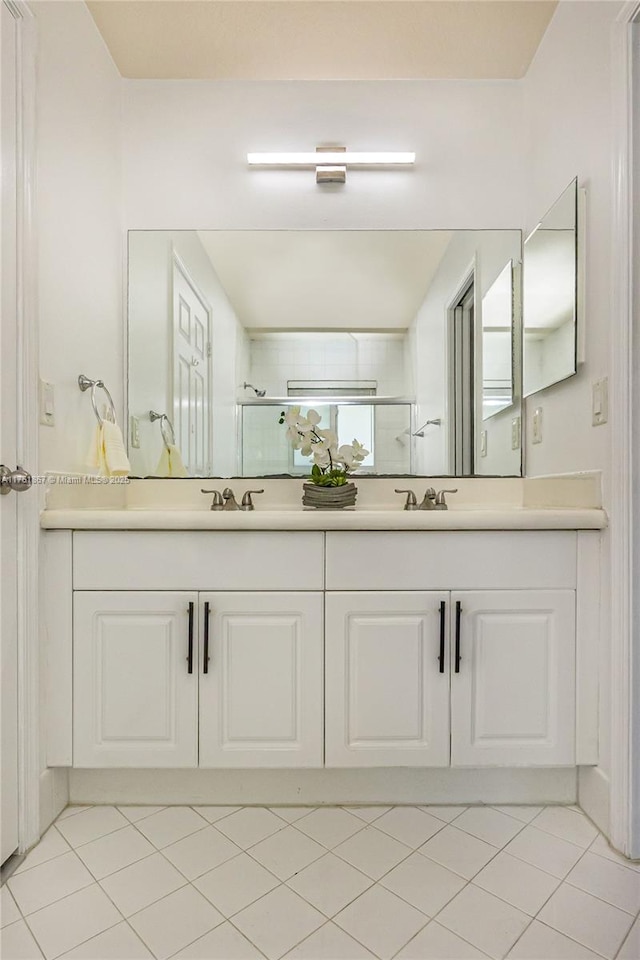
(18, 480)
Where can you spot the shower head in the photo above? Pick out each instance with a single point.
(258, 393)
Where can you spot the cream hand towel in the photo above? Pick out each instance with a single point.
(107, 452)
(170, 463)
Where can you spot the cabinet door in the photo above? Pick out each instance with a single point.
(387, 693)
(261, 697)
(513, 692)
(134, 702)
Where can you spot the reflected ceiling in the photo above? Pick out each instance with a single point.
(325, 279)
(322, 39)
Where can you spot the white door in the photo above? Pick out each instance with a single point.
(261, 694)
(191, 373)
(8, 393)
(513, 682)
(135, 679)
(387, 680)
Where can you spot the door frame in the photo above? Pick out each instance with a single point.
(624, 507)
(28, 529)
(469, 276)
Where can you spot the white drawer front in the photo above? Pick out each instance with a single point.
(185, 560)
(451, 560)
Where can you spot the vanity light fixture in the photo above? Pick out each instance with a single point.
(331, 162)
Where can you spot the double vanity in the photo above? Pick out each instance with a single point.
(180, 637)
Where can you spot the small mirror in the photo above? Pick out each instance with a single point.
(549, 288)
(497, 344)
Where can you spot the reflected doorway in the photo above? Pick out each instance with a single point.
(462, 399)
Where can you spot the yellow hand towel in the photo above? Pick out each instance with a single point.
(170, 463)
(107, 452)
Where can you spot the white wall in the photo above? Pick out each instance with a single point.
(79, 224)
(568, 119)
(79, 247)
(151, 345)
(186, 144)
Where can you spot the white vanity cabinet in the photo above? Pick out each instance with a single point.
(135, 697)
(186, 678)
(387, 680)
(343, 649)
(461, 677)
(513, 678)
(261, 689)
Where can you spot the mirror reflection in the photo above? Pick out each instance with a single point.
(549, 295)
(497, 344)
(381, 332)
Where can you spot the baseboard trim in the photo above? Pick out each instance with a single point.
(593, 796)
(270, 787)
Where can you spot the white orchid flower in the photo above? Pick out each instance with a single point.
(329, 436)
(346, 455)
(359, 452)
(306, 445)
(321, 457)
(313, 417)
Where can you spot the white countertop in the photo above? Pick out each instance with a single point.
(467, 518)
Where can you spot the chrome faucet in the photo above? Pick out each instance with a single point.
(217, 503)
(411, 502)
(230, 502)
(441, 503)
(247, 502)
(429, 500)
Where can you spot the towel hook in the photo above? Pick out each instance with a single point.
(164, 423)
(85, 383)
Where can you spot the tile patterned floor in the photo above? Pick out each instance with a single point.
(328, 883)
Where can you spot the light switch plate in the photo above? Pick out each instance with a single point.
(537, 426)
(483, 443)
(47, 404)
(516, 435)
(134, 433)
(600, 401)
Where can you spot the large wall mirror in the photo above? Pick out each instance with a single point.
(550, 295)
(382, 332)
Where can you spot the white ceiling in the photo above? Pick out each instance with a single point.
(322, 39)
(325, 279)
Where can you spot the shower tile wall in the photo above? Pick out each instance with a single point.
(276, 358)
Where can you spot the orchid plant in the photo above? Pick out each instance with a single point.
(331, 464)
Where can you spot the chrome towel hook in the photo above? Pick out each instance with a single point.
(85, 383)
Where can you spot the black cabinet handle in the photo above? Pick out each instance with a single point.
(443, 608)
(457, 651)
(205, 657)
(190, 648)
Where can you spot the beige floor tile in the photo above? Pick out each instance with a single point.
(484, 921)
(592, 922)
(175, 921)
(235, 884)
(329, 884)
(381, 921)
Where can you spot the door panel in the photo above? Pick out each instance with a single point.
(261, 699)
(135, 704)
(192, 386)
(387, 703)
(513, 699)
(8, 394)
